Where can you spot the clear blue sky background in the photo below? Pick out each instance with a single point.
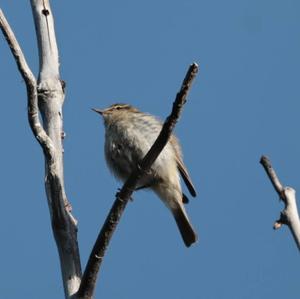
(244, 103)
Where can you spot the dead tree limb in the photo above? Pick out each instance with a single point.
(289, 215)
(89, 278)
(46, 97)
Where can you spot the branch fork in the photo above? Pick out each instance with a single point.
(289, 215)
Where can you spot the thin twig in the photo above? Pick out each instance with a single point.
(289, 215)
(89, 278)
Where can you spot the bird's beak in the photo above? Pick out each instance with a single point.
(98, 110)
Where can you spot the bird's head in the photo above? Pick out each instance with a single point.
(115, 111)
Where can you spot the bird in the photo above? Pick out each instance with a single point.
(129, 134)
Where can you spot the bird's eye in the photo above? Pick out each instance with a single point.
(118, 107)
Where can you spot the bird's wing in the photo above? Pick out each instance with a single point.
(186, 177)
(181, 167)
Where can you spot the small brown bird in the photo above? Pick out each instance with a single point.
(129, 134)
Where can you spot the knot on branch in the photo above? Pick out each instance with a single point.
(283, 220)
(44, 92)
(63, 85)
(45, 12)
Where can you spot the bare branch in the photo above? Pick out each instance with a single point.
(51, 98)
(48, 51)
(30, 81)
(289, 216)
(89, 278)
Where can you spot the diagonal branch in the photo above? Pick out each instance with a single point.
(289, 215)
(89, 278)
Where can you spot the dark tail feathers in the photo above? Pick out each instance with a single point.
(187, 232)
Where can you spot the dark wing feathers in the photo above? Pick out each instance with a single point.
(181, 167)
(186, 177)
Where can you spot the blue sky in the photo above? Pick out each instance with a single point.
(244, 103)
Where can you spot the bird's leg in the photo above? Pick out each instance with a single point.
(149, 184)
(143, 187)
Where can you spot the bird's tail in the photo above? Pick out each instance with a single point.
(187, 232)
(172, 197)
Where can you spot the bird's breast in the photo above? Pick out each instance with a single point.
(127, 143)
